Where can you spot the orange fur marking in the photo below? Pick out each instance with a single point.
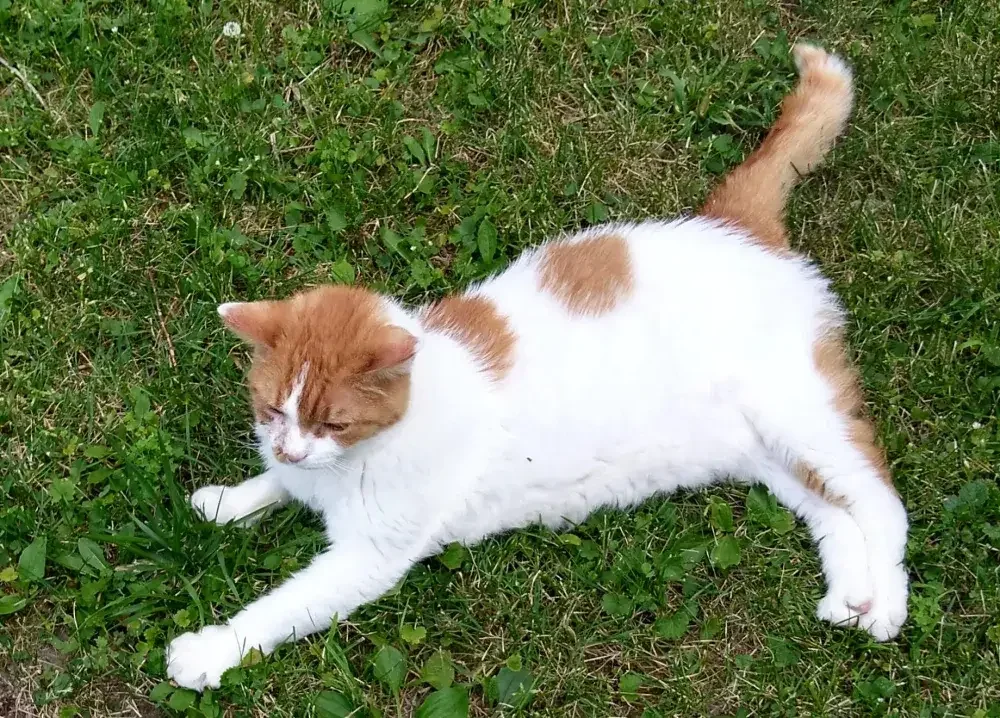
(589, 276)
(830, 357)
(812, 480)
(475, 322)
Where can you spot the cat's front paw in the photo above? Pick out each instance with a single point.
(221, 505)
(198, 660)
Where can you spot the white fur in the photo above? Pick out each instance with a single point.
(705, 372)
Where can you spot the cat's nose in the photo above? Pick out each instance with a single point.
(287, 457)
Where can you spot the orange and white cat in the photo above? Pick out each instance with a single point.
(598, 370)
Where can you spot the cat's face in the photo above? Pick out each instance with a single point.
(329, 371)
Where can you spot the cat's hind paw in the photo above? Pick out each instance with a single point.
(843, 608)
(888, 613)
(880, 609)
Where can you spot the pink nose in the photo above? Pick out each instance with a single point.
(287, 458)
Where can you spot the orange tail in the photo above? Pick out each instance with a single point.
(753, 195)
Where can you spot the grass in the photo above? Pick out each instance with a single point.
(164, 168)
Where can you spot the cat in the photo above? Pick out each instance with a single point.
(597, 370)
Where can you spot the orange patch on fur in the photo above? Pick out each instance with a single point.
(589, 276)
(475, 322)
(356, 360)
(814, 482)
(830, 357)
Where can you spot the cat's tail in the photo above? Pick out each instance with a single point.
(753, 195)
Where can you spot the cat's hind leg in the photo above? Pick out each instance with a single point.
(841, 544)
(833, 454)
(243, 504)
(850, 478)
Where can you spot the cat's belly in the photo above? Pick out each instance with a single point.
(558, 478)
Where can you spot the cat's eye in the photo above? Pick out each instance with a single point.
(274, 412)
(336, 426)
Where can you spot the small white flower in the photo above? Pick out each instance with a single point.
(114, 28)
(232, 29)
(976, 425)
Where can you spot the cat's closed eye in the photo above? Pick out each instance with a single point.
(337, 426)
(274, 412)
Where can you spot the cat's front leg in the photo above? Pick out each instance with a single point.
(350, 574)
(244, 504)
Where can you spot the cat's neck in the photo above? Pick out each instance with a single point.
(450, 396)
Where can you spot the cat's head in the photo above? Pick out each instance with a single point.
(330, 370)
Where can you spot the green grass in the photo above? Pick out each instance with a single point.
(417, 148)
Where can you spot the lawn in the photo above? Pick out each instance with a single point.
(153, 165)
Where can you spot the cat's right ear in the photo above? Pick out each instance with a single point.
(258, 323)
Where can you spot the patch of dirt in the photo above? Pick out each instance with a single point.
(25, 669)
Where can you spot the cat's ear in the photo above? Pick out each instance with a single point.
(258, 323)
(392, 351)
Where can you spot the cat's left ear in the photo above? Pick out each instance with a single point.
(392, 352)
(259, 323)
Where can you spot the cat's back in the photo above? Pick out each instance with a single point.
(684, 294)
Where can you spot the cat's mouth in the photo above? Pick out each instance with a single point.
(319, 464)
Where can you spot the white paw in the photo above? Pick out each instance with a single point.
(878, 607)
(198, 660)
(219, 504)
(888, 613)
(847, 601)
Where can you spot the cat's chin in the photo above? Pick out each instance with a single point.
(332, 464)
(329, 466)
